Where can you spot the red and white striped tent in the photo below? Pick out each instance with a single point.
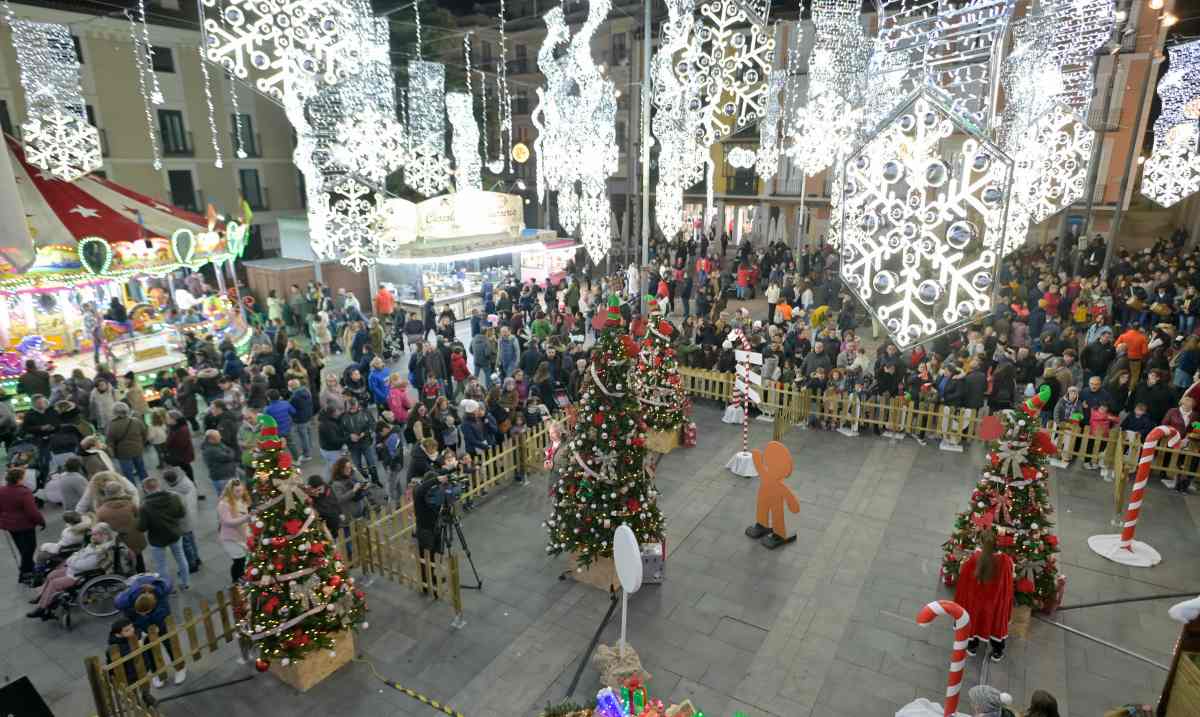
(121, 232)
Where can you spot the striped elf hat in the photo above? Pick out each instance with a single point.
(1033, 406)
(652, 305)
(614, 311)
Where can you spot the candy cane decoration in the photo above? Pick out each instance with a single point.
(1123, 548)
(1143, 475)
(962, 621)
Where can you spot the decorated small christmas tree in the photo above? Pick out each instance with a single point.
(299, 594)
(657, 383)
(1011, 499)
(603, 482)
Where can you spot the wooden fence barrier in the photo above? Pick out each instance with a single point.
(380, 543)
(792, 405)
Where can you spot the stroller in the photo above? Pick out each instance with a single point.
(25, 454)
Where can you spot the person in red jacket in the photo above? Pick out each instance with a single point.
(20, 517)
(985, 591)
(458, 366)
(1136, 347)
(743, 282)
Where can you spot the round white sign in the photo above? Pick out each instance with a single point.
(628, 559)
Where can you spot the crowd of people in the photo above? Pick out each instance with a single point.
(417, 401)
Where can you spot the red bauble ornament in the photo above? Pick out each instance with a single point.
(633, 505)
(1052, 539)
(318, 548)
(1025, 585)
(597, 419)
(262, 665)
(270, 605)
(335, 580)
(293, 526)
(359, 594)
(665, 328)
(1005, 540)
(1029, 472)
(1042, 443)
(279, 567)
(638, 441)
(285, 460)
(278, 541)
(249, 543)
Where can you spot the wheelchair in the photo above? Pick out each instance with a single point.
(96, 590)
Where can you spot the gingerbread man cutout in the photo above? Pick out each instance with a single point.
(774, 464)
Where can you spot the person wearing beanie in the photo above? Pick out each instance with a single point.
(987, 701)
(144, 603)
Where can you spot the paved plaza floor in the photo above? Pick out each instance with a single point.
(821, 627)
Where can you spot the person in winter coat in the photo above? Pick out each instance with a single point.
(477, 436)
(377, 382)
(221, 460)
(178, 451)
(20, 517)
(330, 437)
(120, 512)
(97, 555)
(357, 427)
(233, 515)
(483, 353)
(224, 420)
(1156, 394)
(164, 519)
(302, 401)
(133, 395)
(100, 405)
(509, 352)
(398, 401)
(126, 437)
(283, 412)
(458, 366)
(185, 490)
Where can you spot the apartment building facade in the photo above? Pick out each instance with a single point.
(189, 177)
(1125, 75)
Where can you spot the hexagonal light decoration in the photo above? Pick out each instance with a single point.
(1051, 164)
(922, 224)
(1173, 170)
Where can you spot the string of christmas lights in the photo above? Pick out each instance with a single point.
(218, 161)
(156, 95)
(139, 61)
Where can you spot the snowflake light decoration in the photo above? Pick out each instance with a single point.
(739, 157)
(1032, 80)
(682, 160)
(370, 144)
(62, 143)
(826, 129)
(958, 58)
(1077, 29)
(428, 171)
(767, 160)
(576, 122)
(57, 135)
(730, 68)
(277, 38)
(1173, 170)
(464, 143)
(1051, 163)
(923, 226)
(350, 224)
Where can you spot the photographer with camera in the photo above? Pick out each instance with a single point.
(350, 489)
(429, 501)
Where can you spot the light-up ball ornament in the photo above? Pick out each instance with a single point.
(520, 153)
(922, 220)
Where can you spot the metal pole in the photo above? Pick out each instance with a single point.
(1135, 149)
(1093, 163)
(801, 234)
(1106, 643)
(647, 27)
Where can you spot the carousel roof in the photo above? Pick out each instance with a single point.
(115, 230)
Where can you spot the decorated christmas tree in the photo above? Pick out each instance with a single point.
(656, 382)
(299, 594)
(603, 482)
(1011, 500)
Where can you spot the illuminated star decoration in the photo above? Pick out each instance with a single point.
(923, 223)
(739, 157)
(57, 136)
(1173, 170)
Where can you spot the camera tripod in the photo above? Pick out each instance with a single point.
(449, 525)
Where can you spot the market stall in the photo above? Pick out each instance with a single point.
(96, 241)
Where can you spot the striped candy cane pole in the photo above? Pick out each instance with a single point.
(1139, 482)
(958, 656)
(745, 396)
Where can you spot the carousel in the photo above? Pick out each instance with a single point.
(92, 242)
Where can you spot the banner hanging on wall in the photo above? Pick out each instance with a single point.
(452, 223)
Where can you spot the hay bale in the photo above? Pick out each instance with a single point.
(615, 669)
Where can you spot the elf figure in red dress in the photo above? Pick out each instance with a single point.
(985, 590)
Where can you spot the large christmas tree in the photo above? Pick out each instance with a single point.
(1012, 501)
(603, 482)
(657, 383)
(298, 591)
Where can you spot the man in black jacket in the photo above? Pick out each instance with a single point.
(325, 503)
(162, 517)
(1155, 394)
(1098, 355)
(428, 498)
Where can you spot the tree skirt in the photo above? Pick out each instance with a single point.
(733, 414)
(742, 464)
(1139, 555)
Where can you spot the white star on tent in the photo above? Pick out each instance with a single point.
(85, 212)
